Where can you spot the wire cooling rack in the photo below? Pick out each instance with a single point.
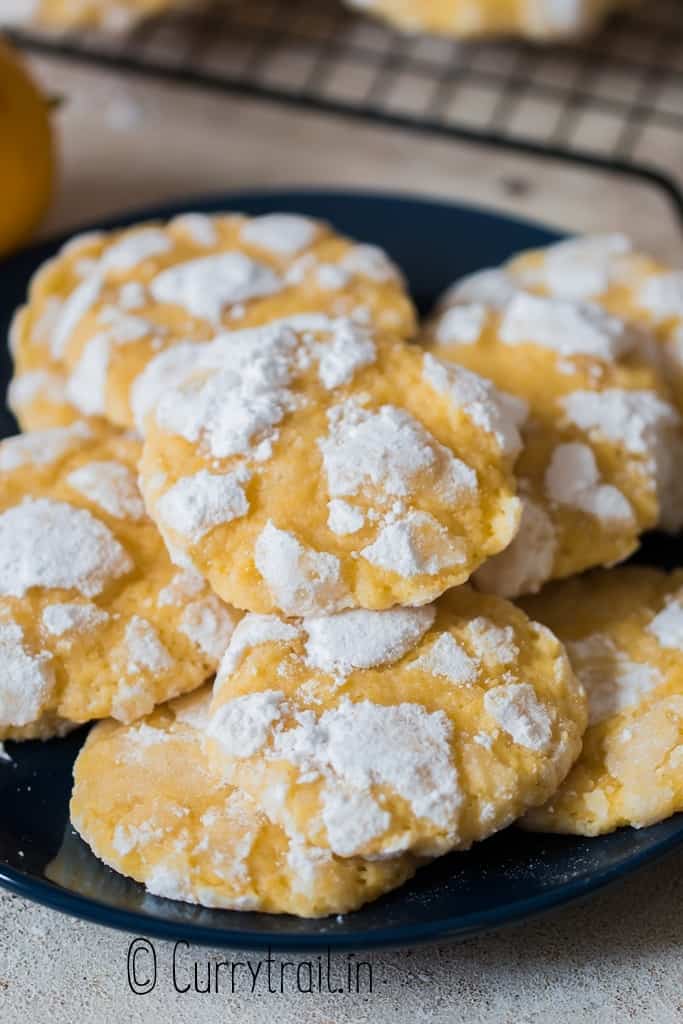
(614, 101)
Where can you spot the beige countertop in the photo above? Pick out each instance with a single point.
(127, 142)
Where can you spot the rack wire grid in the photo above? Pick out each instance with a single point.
(613, 101)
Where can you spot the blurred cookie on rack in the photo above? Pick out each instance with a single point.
(602, 440)
(316, 465)
(535, 19)
(414, 729)
(94, 618)
(149, 803)
(108, 303)
(110, 15)
(623, 630)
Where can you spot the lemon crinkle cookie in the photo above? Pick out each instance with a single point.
(610, 271)
(602, 439)
(94, 618)
(420, 729)
(623, 631)
(537, 19)
(315, 465)
(109, 302)
(148, 802)
(115, 15)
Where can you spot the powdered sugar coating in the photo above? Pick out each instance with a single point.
(480, 401)
(573, 478)
(281, 233)
(527, 563)
(350, 348)
(578, 268)
(208, 624)
(302, 580)
(134, 247)
(45, 543)
(567, 328)
(667, 626)
(199, 226)
(35, 386)
(196, 504)
(111, 486)
(343, 518)
(61, 619)
(41, 447)
(251, 631)
(79, 302)
(184, 585)
(242, 726)
(448, 658)
(358, 639)
(384, 449)
(633, 418)
(27, 678)
(492, 288)
(662, 295)
(612, 680)
(520, 714)
(414, 545)
(87, 384)
(403, 747)
(369, 261)
(493, 645)
(145, 651)
(461, 325)
(205, 287)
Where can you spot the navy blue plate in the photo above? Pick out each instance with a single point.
(507, 878)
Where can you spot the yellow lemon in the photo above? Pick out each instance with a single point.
(26, 151)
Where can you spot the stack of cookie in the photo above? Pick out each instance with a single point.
(331, 515)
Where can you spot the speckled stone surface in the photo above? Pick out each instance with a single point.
(615, 958)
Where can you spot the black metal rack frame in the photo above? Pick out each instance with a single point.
(610, 103)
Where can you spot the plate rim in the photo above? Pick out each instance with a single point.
(450, 928)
